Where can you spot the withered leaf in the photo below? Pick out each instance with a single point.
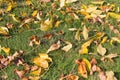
(101, 50)
(54, 47)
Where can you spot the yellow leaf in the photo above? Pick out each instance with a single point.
(4, 31)
(45, 56)
(85, 33)
(37, 72)
(104, 39)
(46, 25)
(86, 44)
(54, 47)
(91, 9)
(116, 39)
(87, 63)
(97, 2)
(34, 77)
(113, 15)
(67, 47)
(34, 13)
(6, 50)
(28, 2)
(9, 8)
(40, 62)
(57, 23)
(83, 50)
(101, 50)
(77, 35)
(14, 18)
(70, 1)
(96, 13)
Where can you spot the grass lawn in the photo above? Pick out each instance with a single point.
(63, 62)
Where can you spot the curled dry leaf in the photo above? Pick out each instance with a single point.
(34, 40)
(20, 73)
(26, 21)
(72, 29)
(110, 75)
(54, 47)
(4, 31)
(109, 56)
(101, 50)
(48, 36)
(34, 77)
(67, 47)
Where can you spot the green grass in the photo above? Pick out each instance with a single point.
(63, 63)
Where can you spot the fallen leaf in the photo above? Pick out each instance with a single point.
(83, 66)
(58, 23)
(67, 47)
(48, 36)
(34, 40)
(34, 78)
(97, 2)
(77, 35)
(45, 56)
(70, 1)
(85, 33)
(110, 75)
(46, 25)
(14, 18)
(72, 77)
(20, 73)
(34, 13)
(44, 0)
(40, 62)
(109, 56)
(36, 72)
(54, 47)
(72, 29)
(113, 15)
(102, 75)
(104, 40)
(102, 51)
(6, 50)
(9, 8)
(4, 31)
(116, 39)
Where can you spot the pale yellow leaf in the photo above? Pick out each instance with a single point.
(97, 2)
(14, 18)
(4, 30)
(116, 39)
(70, 1)
(101, 50)
(110, 75)
(46, 25)
(62, 3)
(54, 47)
(77, 35)
(67, 47)
(85, 33)
(91, 9)
(57, 23)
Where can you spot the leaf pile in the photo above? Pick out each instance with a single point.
(48, 27)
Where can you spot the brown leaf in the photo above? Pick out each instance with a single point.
(20, 73)
(54, 47)
(34, 40)
(48, 36)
